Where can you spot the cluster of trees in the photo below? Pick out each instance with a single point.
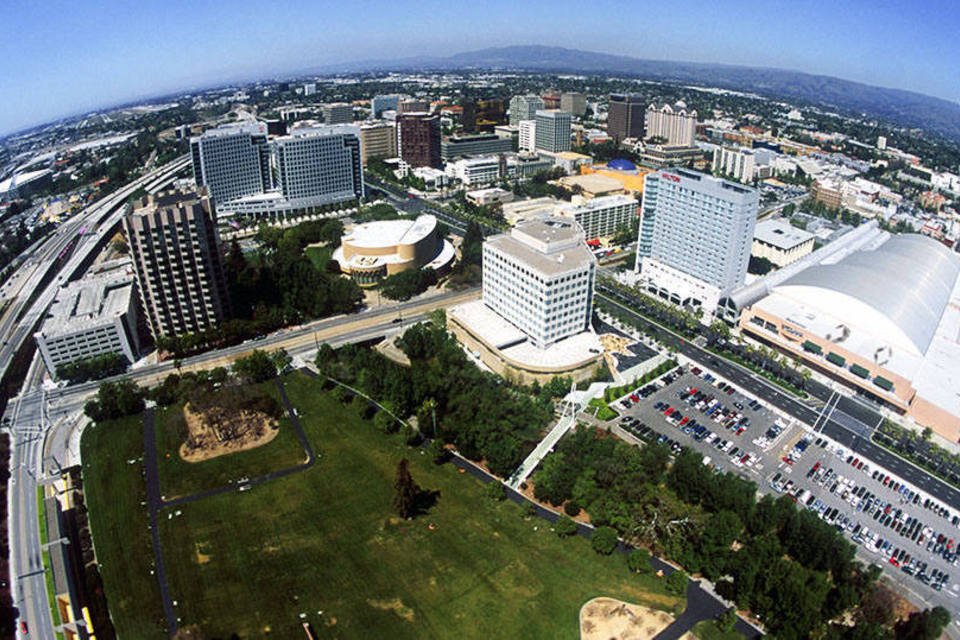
(538, 186)
(759, 266)
(485, 418)
(406, 284)
(115, 400)
(816, 208)
(261, 366)
(684, 322)
(14, 240)
(276, 286)
(787, 566)
(93, 368)
(467, 271)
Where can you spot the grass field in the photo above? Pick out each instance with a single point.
(180, 478)
(115, 494)
(708, 630)
(326, 540)
(319, 256)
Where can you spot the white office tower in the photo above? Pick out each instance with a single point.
(696, 233)
(674, 125)
(540, 278)
(602, 217)
(527, 130)
(379, 104)
(524, 108)
(232, 161)
(739, 163)
(553, 130)
(319, 165)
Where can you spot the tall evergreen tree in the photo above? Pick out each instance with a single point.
(405, 491)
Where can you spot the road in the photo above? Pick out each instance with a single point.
(55, 260)
(850, 424)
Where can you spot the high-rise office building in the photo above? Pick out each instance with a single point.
(528, 135)
(378, 140)
(475, 145)
(625, 116)
(412, 105)
(418, 139)
(696, 232)
(379, 104)
(602, 217)
(524, 108)
(232, 161)
(319, 165)
(337, 113)
(739, 163)
(553, 130)
(540, 278)
(488, 114)
(672, 125)
(176, 259)
(551, 100)
(575, 103)
(310, 88)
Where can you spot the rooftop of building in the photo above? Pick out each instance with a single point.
(593, 183)
(20, 179)
(390, 233)
(550, 245)
(91, 302)
(601, 202)
(780, 234)
(896, 304)
(513, 344)
(232, 129)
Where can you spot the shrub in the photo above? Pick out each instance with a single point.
(638, 561)
(572, 509)
(604, 540)
(677, 583)
(565, 527)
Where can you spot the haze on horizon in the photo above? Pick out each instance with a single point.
(66, 58)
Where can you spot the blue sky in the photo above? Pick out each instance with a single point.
(59, 58)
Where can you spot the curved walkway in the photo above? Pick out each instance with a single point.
(155, 503)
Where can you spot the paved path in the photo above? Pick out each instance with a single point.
(544, 447)
(152, 480)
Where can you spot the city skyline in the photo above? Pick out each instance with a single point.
(215, 47)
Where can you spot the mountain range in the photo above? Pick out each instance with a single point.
(904, 108)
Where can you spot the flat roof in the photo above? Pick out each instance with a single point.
(593, 182)
(780, 234)
(91, 302)
(549, 245)
(510, 341)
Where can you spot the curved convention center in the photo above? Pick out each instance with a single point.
(371, 251)
(885, 321)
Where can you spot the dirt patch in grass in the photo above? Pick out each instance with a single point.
(395, 605)
(610, 619)
(217, 430)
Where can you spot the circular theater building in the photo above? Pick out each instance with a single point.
(372, 251)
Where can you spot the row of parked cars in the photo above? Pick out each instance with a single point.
(640, 430)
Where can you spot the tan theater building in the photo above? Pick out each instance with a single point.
(372, 251)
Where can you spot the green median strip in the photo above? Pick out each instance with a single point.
(47, 572)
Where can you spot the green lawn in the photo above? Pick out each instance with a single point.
(112, 456)
(180, 478)
(319, 256)
(326, 540)
(708, 630)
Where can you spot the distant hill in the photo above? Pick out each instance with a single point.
(905, 108)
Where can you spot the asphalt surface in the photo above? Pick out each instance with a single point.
(849, 424)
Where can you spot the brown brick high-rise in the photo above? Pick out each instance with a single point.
(418, 139)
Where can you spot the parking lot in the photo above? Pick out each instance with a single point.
(709, 416)
(912, 536)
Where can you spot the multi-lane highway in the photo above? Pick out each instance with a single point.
(55, 261)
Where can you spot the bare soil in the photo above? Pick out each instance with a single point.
(610, 619)
(216, 430)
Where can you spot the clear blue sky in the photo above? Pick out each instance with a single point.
(63, 57)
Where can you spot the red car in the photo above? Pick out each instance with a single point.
(669, 411)
(787, 460)
(23, 627)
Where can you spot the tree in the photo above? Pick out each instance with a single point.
(281, 360)
(495, 491)
(437, 451)
(923, 625)
(604, 540)
(565, 527)
(405, 491)
(638, 561)
(115, 400)
(676, 583)
(255, 368)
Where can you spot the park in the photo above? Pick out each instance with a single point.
(258, 541)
